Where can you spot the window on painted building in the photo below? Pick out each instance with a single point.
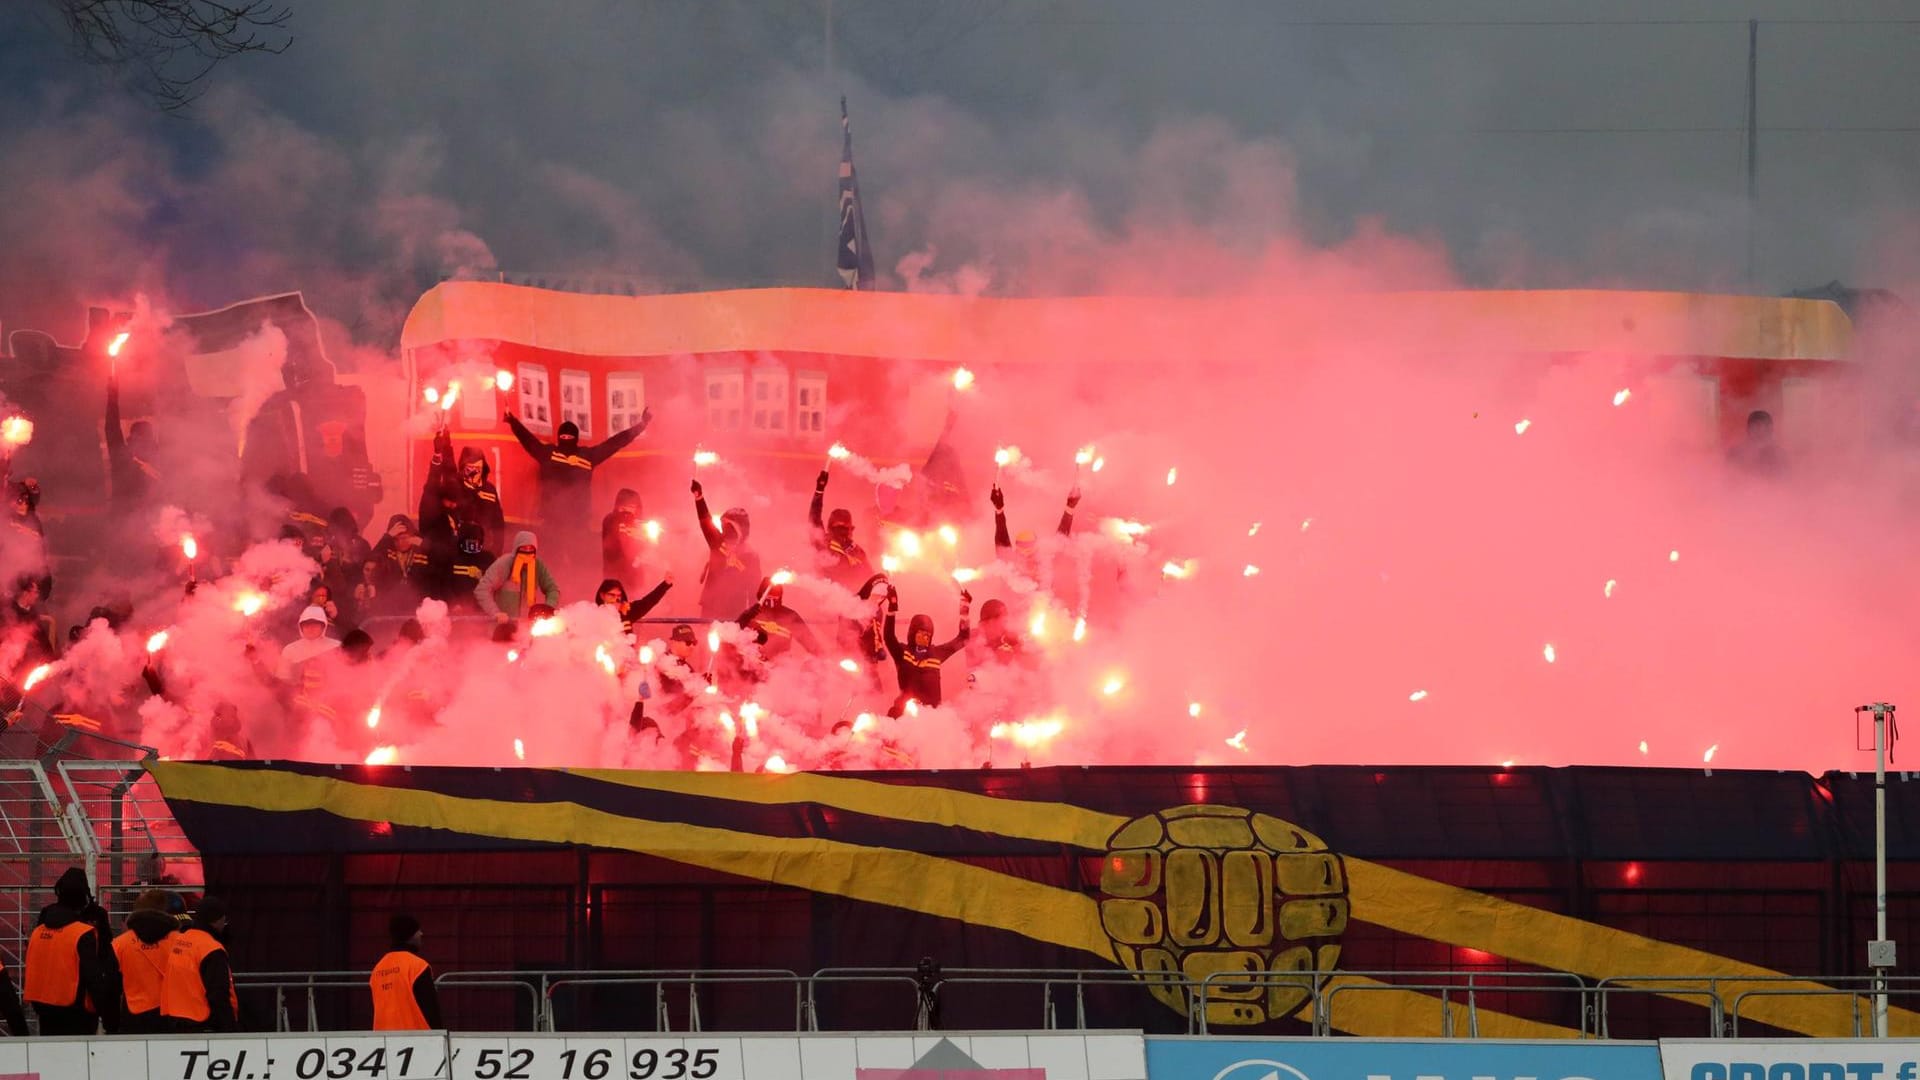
(536, 408)
(770, 402)
(626, 400)
(576, 401)
(810, 403)
(725, 390)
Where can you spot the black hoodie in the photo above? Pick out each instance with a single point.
(478, 501)
(917, 666)
(96, 982)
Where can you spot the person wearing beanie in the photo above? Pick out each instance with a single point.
(839, 556)
(143, 949)
(198, 994)
(566, 476)
(65, 972)
(296, 659)
(517, 581)
(400, 561)
(733, 567)
(402, 982)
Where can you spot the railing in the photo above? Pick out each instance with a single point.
(694, 981)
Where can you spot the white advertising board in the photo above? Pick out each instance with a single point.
(1790, 1059)
(427, 1056)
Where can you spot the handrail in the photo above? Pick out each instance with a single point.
(694, 979)
(497, 980)
(1892, 990)
(811, 1006)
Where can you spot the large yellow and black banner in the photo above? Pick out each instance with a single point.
(1663, 884)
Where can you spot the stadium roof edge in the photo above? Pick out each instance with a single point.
(987, 330)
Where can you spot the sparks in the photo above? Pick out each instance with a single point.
(839, 452)
(1177, 570)
(1254, 530)
(373, 717)
(1173, 476)
(1037, 626)
(383, 755)
(16, 430)
(704, 458)
(1003, 457)
(1080, 628)
(1250, 571)
(1674, 555)
(157, 641)
(36, 677)
(949, 536)
(546, 627)
(1620, 397)
(1113, 685)
(605, 659)
(850, 667)
(713, 638)
(1643, 746)
(1711, 750)
(249, 604)
(119, 342)
(1608, 590)
(966, 575)
(1238, 740)
(1099, 463)
(1123, 530)
(520, 749)
(908, 542)
(513, 656)
(776, 763)
(1521, 427)
(1307, 524)
(447, 399)
(782, 577)
(189, 547)
(646, 654)
(1548, 653)
(863, 722)
(1084, 456)
(1193, 709)
(652, 530)
(503, 379)
(1028, 733)
(962, 379)
(1417, 695)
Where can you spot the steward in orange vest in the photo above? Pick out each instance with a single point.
(10, 1005)
(198, 992)
(144, 950)
(402, 983)
(66, 974)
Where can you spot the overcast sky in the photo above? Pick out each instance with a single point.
(1536, 142)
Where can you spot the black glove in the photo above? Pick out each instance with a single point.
(697, 493)
(966, 599)
(999, 500)
(893, 602)
(1073, 498)
(820, 484)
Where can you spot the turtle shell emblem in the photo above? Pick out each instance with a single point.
(1214, 890)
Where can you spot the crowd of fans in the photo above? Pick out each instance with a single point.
(499, 581)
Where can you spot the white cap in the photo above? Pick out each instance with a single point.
(314, 614)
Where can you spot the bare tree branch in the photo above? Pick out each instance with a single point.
(167, 47)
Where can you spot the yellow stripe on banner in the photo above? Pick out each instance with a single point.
(1368, 1007)
(907, 880)
(1054, 823)
(1423, 908)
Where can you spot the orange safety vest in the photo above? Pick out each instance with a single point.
(143, 970)
(182, 995)
(53, 966)
(394, 1006)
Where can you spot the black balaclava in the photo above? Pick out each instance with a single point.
(569, 436)
(921, 625)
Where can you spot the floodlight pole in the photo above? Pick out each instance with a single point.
(1880, 951)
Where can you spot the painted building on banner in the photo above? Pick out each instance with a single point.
(1280, 897)
(774, 376)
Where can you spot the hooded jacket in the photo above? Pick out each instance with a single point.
(475, 501)
(66, 973)
(776, 627)
(504, 586)
(133, 477)
(733, 568)
(566, 469)
(917, 667)
(459, 576)
(844, 564)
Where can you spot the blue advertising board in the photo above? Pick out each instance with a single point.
(1397, 1059)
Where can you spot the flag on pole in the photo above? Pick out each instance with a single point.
(855, 259)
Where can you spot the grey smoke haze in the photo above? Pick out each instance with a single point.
(1007, 146)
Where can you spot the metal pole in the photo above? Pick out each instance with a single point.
(1753, 144)
(1880, 712)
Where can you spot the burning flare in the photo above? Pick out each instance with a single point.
(384, 755)
(1173, 477)
(432, 394)
(1028, 733)
(1080, 628)
(519, 750)
(1250, 571)
(965, 575)
(16, 431)
(1003, 457)
(1193, 709)
(652, 529)
(546, 627)
(249, 604)
(373, 717)
(1084, 456)
(119, 342)
(1621, 397)
(1238, 740)
(782, 577)
(1521, 427)
(1113, 685)
(1179, 571)
(1611, 585)
(605, 660)
(850, 667)
(776, 763)
(962, 379)
(1417, 695)
(839, 452)
(503, 379)
(1548, 653)
(189, 547)
(36, 677)
(949, 536)
(156, 642)
(704, 458)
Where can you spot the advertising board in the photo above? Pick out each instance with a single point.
(1398, 1059)
(1791, 1059)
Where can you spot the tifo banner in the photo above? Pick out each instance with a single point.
(428, 1056)
(1790, 1059)
(1205, 1058)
